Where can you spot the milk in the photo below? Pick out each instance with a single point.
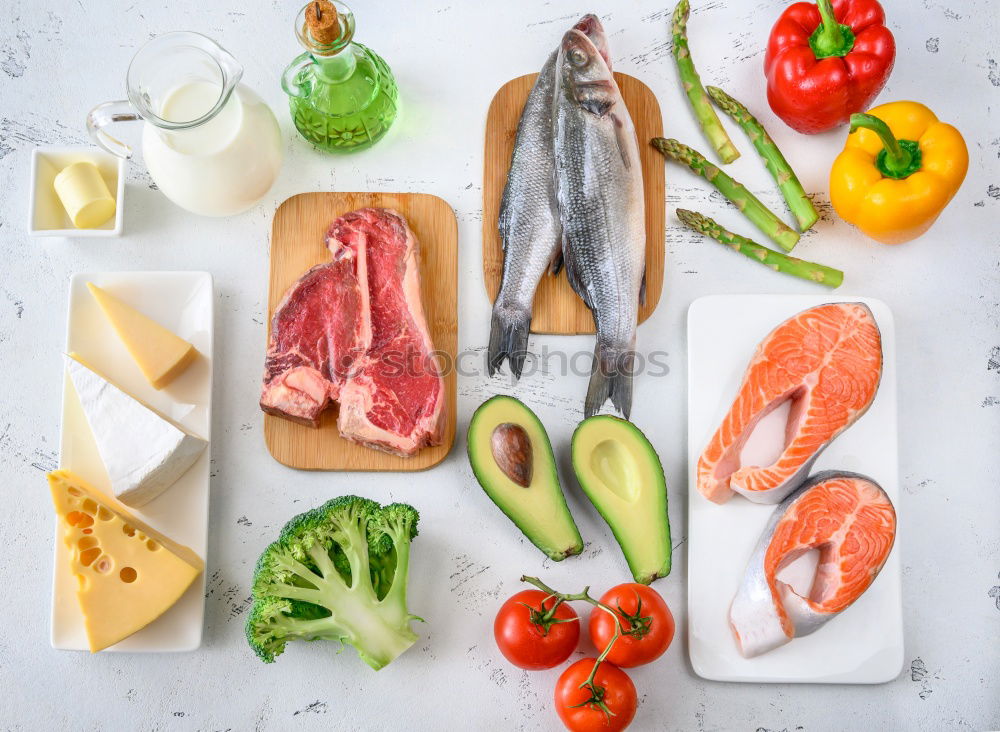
(221, 167)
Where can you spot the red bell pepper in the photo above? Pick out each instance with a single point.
(826, 61)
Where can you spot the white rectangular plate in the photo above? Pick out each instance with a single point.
(863, 645)
(182, 302)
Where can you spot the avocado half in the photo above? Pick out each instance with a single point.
(527, 490)
(622, 476)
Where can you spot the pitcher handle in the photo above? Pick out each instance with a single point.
(103, 115)
(288, 76)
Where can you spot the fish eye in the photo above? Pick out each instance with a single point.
(577, 57)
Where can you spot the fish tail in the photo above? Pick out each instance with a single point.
(508, 340)
(556, 263)
(610, 377)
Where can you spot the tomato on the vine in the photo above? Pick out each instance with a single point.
(533, 637)
(647, 624)
(608, 705)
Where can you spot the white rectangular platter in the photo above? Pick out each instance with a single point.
(863, 645)
(182, 302)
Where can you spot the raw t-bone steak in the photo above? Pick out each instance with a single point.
(394, 398)
(353, 330)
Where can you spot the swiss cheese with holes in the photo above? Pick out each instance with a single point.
(129, 574)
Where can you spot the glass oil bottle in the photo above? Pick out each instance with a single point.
(342, 95)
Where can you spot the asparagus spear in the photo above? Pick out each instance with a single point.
(769, 258)
(703, 109)
(798, 202)
(743, 199)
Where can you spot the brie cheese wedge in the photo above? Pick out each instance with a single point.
(143, 452)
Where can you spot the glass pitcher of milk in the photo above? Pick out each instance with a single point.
(211, 145)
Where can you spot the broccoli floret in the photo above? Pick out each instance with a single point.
(337, 572)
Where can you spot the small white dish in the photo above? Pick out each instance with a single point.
(864, 645)
(46, 215)
(182, 302)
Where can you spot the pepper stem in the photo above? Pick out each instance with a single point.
(896, 157)
(899, 158)
(830, 38)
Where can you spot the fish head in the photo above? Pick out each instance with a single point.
(585, 76)
(590, 26)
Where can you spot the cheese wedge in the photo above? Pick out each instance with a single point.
(143, 451)
(129, 574)
(161, 354)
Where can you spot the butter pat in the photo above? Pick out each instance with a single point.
(84, 195)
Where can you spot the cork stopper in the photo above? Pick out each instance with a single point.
(322, 22)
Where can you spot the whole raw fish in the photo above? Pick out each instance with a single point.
(600, 197)
(851, 521)
(529, 220)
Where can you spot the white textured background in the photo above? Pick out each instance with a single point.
(57, 59)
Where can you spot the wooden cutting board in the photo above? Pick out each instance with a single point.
(557, 309)
(298, 243)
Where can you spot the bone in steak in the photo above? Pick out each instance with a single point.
(353, 331)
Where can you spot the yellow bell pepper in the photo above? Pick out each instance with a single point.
(899, 168)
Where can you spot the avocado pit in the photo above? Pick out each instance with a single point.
(511, 448)
(511, 457)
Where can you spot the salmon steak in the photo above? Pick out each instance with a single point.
(827, 361)
(850, 520)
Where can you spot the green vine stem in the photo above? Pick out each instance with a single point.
(544, 618)
(596, 693)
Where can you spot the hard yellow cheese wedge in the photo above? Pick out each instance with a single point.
(128, 573)
(161, 354)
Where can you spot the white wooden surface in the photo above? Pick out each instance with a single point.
(59, 58)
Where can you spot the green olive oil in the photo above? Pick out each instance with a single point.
(342, 95)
